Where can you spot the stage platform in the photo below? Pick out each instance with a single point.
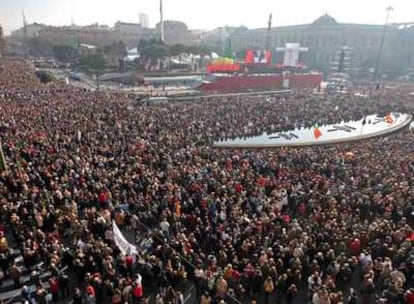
(368, 127)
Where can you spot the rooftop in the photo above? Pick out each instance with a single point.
(325, 20)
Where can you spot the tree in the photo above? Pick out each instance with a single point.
(94, 64)
(39, 47)
(177, 49)
(45, 77)
(154, 52)
(64, 53)
(151, 51)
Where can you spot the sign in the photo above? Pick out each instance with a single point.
(121, 242)
(292, 51)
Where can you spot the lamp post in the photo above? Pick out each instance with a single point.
(378, 59)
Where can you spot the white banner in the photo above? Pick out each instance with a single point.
(126, 247)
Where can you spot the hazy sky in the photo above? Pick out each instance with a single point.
(199, 14)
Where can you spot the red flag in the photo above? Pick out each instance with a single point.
(249, 57)
(317, 133)
(268, 57)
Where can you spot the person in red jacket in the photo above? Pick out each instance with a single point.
(103, 198)
(355, 247)
(137, 292)
(54, 288)
(409, 296)
(129, 262)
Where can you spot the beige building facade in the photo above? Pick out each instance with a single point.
(325, 37)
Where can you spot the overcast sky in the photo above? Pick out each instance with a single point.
(199, 14)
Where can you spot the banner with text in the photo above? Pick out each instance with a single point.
(126, 247)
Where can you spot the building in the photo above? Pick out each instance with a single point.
(144, 20)
(28, 31)
(100, 36)
(325, 36)
(75, 35)
(175, 32)
(125, 28)
(220, 35)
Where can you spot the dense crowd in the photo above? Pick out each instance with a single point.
(331, 223)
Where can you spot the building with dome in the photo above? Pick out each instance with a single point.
(326, 36)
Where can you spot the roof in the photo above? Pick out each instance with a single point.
(127, 23)
(325, 20)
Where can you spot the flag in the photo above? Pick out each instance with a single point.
(249, 57)
(268, 57)
(3, 164)
(316, 132)
(228, 52)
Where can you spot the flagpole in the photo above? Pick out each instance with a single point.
(378, 59)
(162, 21)
(3, 163)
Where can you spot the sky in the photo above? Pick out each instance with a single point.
(206, 14)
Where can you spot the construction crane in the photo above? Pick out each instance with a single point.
(269, 27)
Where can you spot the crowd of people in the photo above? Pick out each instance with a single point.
(315, 224)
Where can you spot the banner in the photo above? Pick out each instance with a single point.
(258, 56)
(122, 243)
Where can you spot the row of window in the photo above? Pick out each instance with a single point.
(323, 40)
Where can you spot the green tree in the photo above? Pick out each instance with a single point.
(94, 64)
(64, 53)
(38, 47)
(45, 77)
(228, 51)
(154, 52)
(177, 49)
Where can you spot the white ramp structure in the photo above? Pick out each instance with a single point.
(368, 127)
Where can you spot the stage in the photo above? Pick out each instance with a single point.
(368, 127)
